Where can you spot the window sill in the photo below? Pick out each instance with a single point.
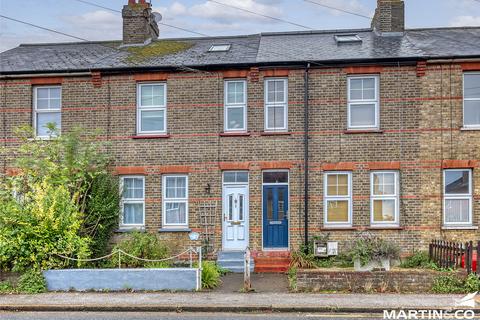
(235, 134)
(274, 133)
(364, 131)
(157, 136)
(459, 228)
(130, 229)
(162, 230)
(339, 228)
(470, 129)
(385, 228)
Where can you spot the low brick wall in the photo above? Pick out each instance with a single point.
(348, 280)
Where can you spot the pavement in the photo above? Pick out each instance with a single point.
(261, 283)
(224, 302)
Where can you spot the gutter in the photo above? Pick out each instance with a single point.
(306, 145)
(440, 60)
(45, 75)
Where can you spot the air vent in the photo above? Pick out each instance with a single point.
(220, 48)
(347, 38)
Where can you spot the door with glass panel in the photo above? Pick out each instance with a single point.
(275, 209)
(235, 217)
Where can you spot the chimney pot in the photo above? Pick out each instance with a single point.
(389, 17)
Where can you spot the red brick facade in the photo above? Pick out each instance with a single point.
(419, 136)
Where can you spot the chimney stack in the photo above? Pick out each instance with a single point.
(139, 25)
(389, 17)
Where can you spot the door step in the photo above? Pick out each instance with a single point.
(233, 261)
(272, 262)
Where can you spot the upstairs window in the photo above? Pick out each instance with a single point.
(457, 197)
(175, 201)
(276, 105)
(152, 108)
(363, 105)
(384, 203)
(47, 110)
(471, 102)
(133, 201)
(338, 199)
(235, 105)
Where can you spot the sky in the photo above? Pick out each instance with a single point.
(93, 23)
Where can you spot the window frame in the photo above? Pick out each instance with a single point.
(395, 197)
(220, 47)
(468, 197)
(141, 108)
(166, 200)
(327, 199)
(228, 105)
(36, 111)
(283, 104)
(475, 126)
(133, 201)
(375, 101)
(276, 183)
(236, 182)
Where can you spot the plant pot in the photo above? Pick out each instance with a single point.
(374, 264)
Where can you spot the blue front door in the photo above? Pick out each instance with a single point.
(275, 216)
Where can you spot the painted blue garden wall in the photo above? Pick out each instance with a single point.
(179, 279)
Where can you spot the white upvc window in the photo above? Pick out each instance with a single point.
(235, 105)
(471, 100)
(384, 198)
(338, 199)
(133, 201)
(240, 177)
(457, 197)
(175, 201)
(47, 107)
(151, 108)
(363, 102)
(276, 104)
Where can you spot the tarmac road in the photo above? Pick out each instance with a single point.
(176, 316)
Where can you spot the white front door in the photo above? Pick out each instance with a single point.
(235, 217)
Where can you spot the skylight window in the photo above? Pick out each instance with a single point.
(220, 48)
(347, 38)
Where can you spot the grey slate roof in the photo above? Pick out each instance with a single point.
(289, 47)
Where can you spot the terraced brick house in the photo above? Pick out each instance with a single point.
(267, 140)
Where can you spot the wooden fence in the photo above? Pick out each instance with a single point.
(454, 255)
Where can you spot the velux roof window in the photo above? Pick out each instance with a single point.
(220, 48)
(347, 38)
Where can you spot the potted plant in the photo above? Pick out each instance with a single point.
(371, 252)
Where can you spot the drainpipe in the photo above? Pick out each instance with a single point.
(305, 142)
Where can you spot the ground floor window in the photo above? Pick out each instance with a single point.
(384, 203)
(338, 199)
(133, 201)
(457, 197)
(175, 201)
